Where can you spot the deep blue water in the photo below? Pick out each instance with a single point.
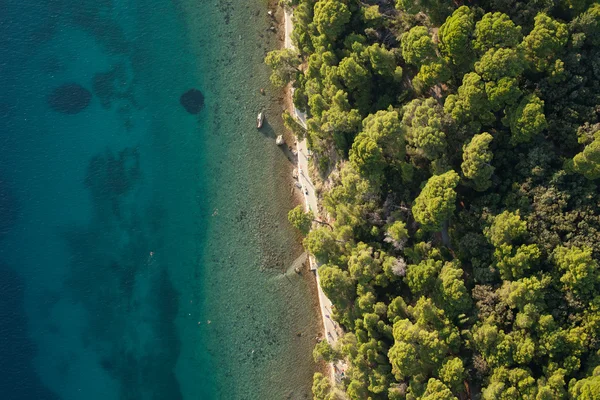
(88, 306)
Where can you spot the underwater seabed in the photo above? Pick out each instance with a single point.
(147, 231)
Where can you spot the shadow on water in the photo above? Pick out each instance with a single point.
(18, 380)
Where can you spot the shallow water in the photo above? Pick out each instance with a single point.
(142, 248)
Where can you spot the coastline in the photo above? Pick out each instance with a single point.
(330, 329)
(260, 307)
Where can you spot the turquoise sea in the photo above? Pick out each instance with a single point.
(144, 250)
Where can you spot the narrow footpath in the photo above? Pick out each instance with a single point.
(332, 330)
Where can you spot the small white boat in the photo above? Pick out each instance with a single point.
(259, 120)
(279, 141)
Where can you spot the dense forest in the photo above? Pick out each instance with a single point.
(457, 148)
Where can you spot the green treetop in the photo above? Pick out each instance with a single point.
(496, 30)
(417, 46)
(506, 228)
(431, 74)
(476, 161)
(545, 42)
(396, 234)
(363, 267)
(514, 261)
(331, 17)
(470, 106)
(436, 202)
(452, 294)
(321, 387)
(507, 384)
(455, 36)
(382, 60)
(588, 25)
(587, 163)
(385, 127)
(337, 285)
(321, 243)
(420, 278)
(300, 219)
(380, 143)
(580, 270)
(425, 121)
(284, 64)
(340, 118)
(499, 63)
(436, 10)
(453, 374)
(526, 120)
(503, 93)
(367, 157)
(436, 390)
(587, 388)
(353, 74)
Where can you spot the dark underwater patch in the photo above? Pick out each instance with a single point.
(8, 208)
(192, 101)
(70, 98)
(18, 380)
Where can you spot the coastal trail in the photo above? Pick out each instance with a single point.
(332, 330)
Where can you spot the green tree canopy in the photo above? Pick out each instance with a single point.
(331, 17)
(431, 74)
(476, 161)
(353, 74)
(506, 228)
(453, 374)
(587, 163)
(421, 278)
(363, 267)
(417, 46)
(527, 119)
(507, 384)
(367, 157)
(437, 10)
(321, 387)
(499, 63)
(514, 261)
(337, 285)
(436, 390)
(385, 127)
(284, 64)
(545, 42)
(455, 36)
(495, 30)
(587, 388)
(580, 270)
(470, 106)
(453, 295)
(321, 243)
(382, 61)
(300, 219)
(436, 202)
(396, 234)
(503, 93)
(425, 121)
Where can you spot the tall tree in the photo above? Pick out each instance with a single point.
(455, 37)
(526, 120)
(436, 202)
(476, 161)
(495, 30)
(545, 43)
(331, 17)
